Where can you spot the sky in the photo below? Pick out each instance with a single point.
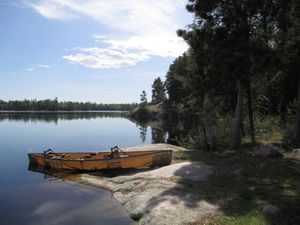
(87, 50)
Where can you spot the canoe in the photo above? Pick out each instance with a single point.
(88, 161)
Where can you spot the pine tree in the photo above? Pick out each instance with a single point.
(291, 55)
(224, 40)
(143, 98)
(158, 91)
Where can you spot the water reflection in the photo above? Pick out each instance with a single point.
(58, 202)
(47, 197)
(49, 173)
(143, 132)
(158, 135)
(162, 131)
(159, 131)
(71, 175)
(27, 198)
(54, 117)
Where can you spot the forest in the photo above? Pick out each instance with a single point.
(241, 70)
(234, 97)
(55, 105)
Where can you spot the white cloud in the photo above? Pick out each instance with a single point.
(51, 10)
(100, 37)
(105, 58)
(30, 69)
(128, 52)
(165, 45)
(37, 66)
(146, 28)
(134, 15)
(43, 66)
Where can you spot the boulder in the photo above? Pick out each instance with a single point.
(266, 150)
(270, 209)
(296, 153)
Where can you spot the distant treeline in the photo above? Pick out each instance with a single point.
(55, 117)
(55, 105)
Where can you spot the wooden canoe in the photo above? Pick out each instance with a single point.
(102, 160)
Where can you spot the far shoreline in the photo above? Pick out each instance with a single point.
(60, 111)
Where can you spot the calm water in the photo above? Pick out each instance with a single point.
(26, 197)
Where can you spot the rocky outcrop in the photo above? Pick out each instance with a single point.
(160, 146)
(296, 153)
(160, 196)
(147, 112)
(270, 209)
(266, 150)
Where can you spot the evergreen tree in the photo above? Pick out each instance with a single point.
(143, 98)
(291, 54)
(179, 82)
(54, 105)
(158, 91)
(224, 40)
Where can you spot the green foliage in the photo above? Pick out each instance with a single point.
(158, 91)
(251, 46)
(179, 81)
(252, 218)
(269, 129)
(143, 98)
(54, 105)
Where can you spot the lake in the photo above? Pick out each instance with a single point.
(28, 197)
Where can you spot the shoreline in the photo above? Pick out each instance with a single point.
(208, 188)
(161, 195)
(60, 111)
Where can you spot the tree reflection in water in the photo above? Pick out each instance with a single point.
(162, 131)
(53, 117)
(143, 132)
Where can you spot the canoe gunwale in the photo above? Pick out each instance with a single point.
(150, 152)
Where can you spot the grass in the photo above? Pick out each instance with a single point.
(243, 183)
(253, 218)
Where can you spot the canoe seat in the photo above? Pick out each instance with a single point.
(116, 156)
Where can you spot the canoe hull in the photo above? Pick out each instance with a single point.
(100, 161)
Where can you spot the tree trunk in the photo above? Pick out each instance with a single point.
(207, 138)
(250, 113)
(236, 134)
(242, 130)
(297, 139)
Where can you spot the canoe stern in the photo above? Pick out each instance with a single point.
(163, 158)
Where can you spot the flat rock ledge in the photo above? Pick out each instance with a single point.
(160, 146)
(161, 196)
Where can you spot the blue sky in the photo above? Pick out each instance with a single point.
(91, 50)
